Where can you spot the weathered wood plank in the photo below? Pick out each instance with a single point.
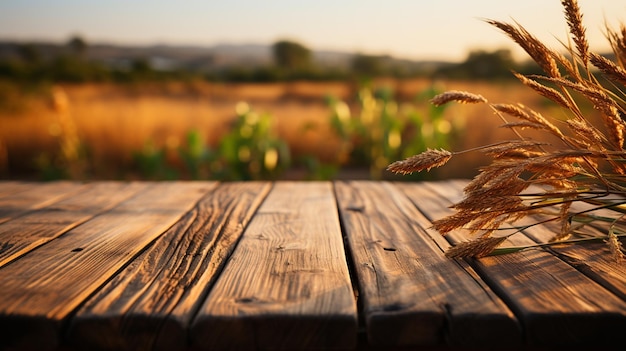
(49, 283)
(595, 261)
(556, 304)
(38, 227)
(36, 196)
(287, 284)
(8, 188)
(412, 294)
(150, 304)
(592, 259)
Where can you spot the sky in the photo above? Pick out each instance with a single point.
(412, 29)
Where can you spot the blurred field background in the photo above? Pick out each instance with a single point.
(109, 125)
(82, 109)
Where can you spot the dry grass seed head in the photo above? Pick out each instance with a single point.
(589, 89)
(491, 221)
(533, 47)
(601, 102)
(614, 123)
(545, 91)
(564, 219)
(517, 148)
(617, 40)
(610, 69)
(520, 111)
(480, 247)
(512, 186)
(515, 111)
(557, 182)
(574, 19)
(617, 250)
(517, 154)
(493, 196)
(497, 173)
(565, 62)
(523, 125)
(586, 134)
(543, 121)
(485, 178)
(564, 164)
(424, 161)
(449, 223)
(458, 96)
(497, 204)
(494, 214)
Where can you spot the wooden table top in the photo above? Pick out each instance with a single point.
(282, 265)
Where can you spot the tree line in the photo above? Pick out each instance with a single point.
(290, 61)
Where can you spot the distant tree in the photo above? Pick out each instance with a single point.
(367, 65)
(481, 64)
(141, 69)
(496, 64)
(141, 65)
(291, 55)
(29, 53)
(529, 67)
(77, 44)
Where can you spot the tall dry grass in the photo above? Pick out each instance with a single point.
(114, 121)
(579, 160)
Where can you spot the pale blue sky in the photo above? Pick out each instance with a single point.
(433, 29)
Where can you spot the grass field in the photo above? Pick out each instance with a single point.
(113, 121)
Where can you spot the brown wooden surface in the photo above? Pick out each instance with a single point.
(550, 296)
(37, 227)
(287, 284)
(12, 187)
(412, 294)
(283, 265)
(151, 303)
(40, 290)
(19, 198)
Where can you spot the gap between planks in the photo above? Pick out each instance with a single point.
(150, 304)
(287, 284)
(412, 294)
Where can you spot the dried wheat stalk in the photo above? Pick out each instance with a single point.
(589, 166)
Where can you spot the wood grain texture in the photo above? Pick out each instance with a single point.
(37, 227)
(149, 305)
(593, 259)
(52, 281)
(8, 188)
(113, 265)
(37, 195)
(556, 304)
(287, 284)
(412, 294)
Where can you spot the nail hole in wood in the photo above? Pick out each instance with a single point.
(393, 307)
(355, 208)
(389, 249)
(78, 249)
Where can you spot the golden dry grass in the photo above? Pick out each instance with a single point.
(113, 121)
(580, 159)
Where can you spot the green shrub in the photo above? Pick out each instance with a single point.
(250, 150)
(380, 130)
(151, 162)
(196, 155)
